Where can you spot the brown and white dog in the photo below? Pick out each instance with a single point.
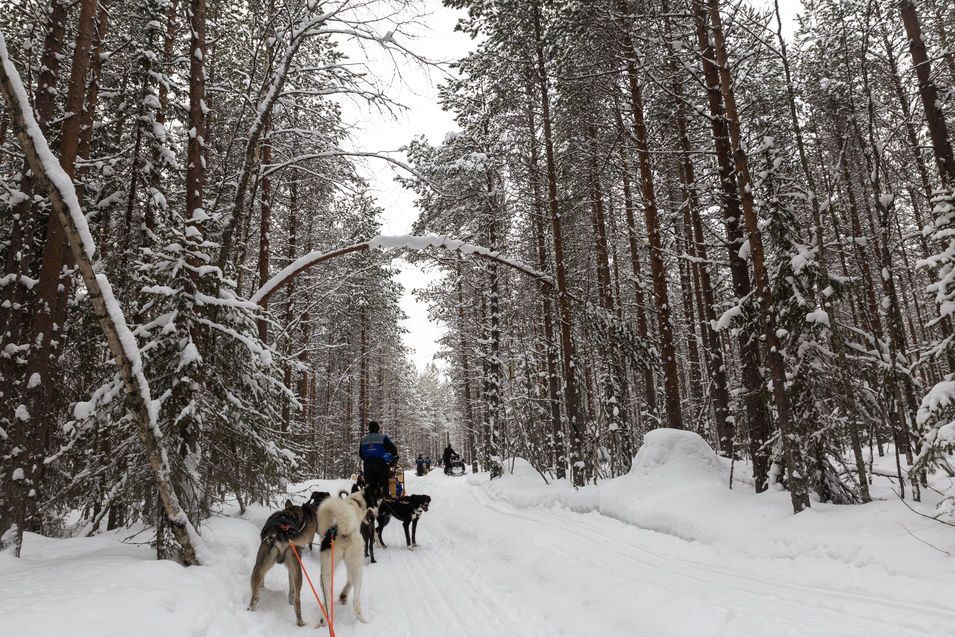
(296, 525)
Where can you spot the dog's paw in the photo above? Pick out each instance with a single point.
(361, 618)
(300, 622)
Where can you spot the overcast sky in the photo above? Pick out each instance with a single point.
(416, 87)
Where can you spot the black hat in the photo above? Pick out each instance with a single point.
(374, 427)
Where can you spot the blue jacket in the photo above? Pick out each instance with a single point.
(376, 446)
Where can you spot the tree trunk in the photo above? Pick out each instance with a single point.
(697, 248)
(547, 305)
(671, 377)
(265, 222)
(195, 165)
(614, 394)
(643, 329)
(465, 373)
(928, 92)
(757, 413)
(20, 252)
(46, 336)
(493, 424)
(777, 364)
(568, 363)
(363, 372)
(822, 282)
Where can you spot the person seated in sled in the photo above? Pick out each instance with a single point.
(399, 489)
(376, 450)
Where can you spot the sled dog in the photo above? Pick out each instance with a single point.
(295, 524)
(368, 534)
(408, 509)
(339, 521)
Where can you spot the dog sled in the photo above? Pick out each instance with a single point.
(396, 481)
(455, 466)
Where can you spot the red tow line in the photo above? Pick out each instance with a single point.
(329, 619)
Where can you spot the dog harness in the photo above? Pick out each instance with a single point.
(285, 524)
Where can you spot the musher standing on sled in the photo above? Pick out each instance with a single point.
(376, 451)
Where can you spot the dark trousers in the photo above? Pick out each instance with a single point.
(376, 473)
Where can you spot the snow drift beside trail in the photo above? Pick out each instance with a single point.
(674, 474)
(680, 487)
(671, 453)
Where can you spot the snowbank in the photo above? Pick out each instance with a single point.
(674, 480)
(672, 453)
(679, 487)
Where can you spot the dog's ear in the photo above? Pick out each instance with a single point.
(288, 504)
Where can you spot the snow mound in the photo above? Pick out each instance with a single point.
(521, 468)
(679, 454)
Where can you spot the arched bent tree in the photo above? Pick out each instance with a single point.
(639, 353)
(407, 242)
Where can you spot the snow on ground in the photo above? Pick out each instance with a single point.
(665, 550)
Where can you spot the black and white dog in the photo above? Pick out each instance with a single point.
(368, 534)
(408, 510)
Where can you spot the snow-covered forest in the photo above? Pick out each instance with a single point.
(731, 218)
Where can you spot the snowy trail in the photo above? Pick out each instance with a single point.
(587, 572)
(483, 567)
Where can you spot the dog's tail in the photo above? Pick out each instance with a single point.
(326, 516)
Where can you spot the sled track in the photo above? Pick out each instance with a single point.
(569, 523)
(450, 599)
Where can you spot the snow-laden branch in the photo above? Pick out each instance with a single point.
(263, 109)
(338, 152)
(334, 22)
(391, 242)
